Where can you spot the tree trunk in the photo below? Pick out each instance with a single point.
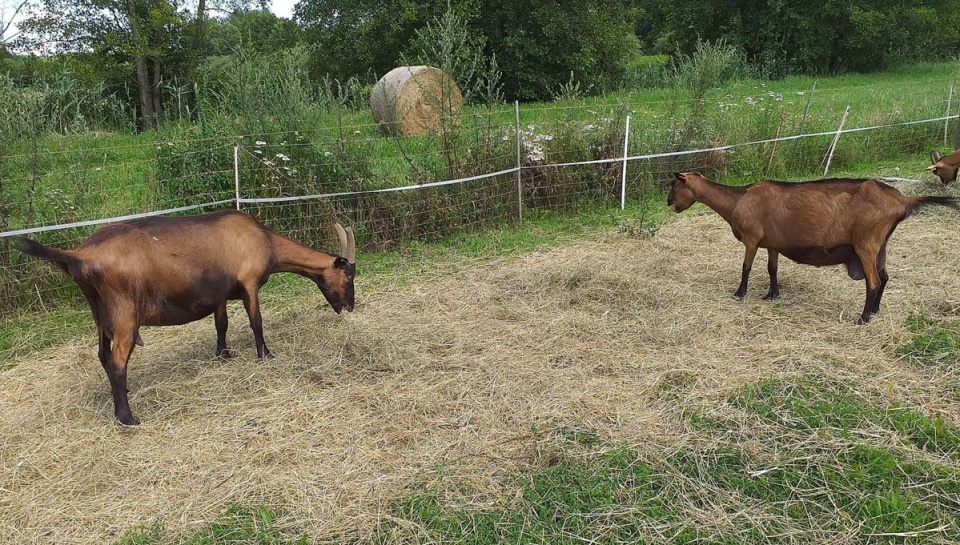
(194, 56)
(147, 113)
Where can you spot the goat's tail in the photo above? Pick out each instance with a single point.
(34, 248)
(920, 202)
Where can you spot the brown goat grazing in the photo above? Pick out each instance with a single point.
(173, 270)
(945, 167)
(824, 222)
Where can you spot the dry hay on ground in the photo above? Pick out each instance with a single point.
(453, 372)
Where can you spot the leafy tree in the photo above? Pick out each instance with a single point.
(357, 37)
(538, 45)
(150, 42)
(142, 33)
(783, 36)
(252, 31)
(542, 45)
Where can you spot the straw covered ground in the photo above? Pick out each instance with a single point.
(457, 371)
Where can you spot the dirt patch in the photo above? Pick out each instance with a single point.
(455, 372)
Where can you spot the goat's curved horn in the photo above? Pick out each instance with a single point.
(351, 247)
(342, 239)
(934, 156)
(348, 243)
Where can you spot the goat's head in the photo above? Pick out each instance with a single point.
(946, 167)
(681, 195)
(336, 283)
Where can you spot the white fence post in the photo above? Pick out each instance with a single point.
(946, 122)
(623, 175)
(516, 112)
(836, 137)
(236, 173)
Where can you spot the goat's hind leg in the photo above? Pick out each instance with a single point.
(116, 368)
(884, 277)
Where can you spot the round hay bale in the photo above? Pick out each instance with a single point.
(413, 100)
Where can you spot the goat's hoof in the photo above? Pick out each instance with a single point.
(863, 320)
(225, 354)
(739, 295)
(771, 296)
(128, 420)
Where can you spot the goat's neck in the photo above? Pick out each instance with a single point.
(296, 258)
(721, 198)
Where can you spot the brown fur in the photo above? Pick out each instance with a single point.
(172, 270)
(825, 222)
(946, 167)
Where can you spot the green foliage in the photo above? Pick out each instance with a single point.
(259, 93)
(538, 45)
(57, 104)
(256, 31)
(781, 38)
(710, 66)
(362, 38)
(648, 71)
(449, 44)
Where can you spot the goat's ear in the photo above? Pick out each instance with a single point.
(933, 168)
(679, 176)
(934, 156)
(340, 262)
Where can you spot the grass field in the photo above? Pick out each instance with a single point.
(604, 387)
(584, 377)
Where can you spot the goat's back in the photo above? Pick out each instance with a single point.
(169, 253)
(827, 213)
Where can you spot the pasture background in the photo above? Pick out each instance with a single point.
(55, 179)
(579, 375)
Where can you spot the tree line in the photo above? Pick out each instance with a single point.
(150, 53)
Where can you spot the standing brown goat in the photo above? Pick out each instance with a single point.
(945, 167)
(824, 222)
(173, 270)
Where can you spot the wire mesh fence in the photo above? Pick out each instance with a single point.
(481, 169)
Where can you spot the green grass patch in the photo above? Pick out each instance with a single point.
(601, 496)
(933, 341)
(788, 461)
(838, 409)
(239, 525)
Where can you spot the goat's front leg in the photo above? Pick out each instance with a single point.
(251, 301)
(772, 258)
(748, 256)
(220, 322)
